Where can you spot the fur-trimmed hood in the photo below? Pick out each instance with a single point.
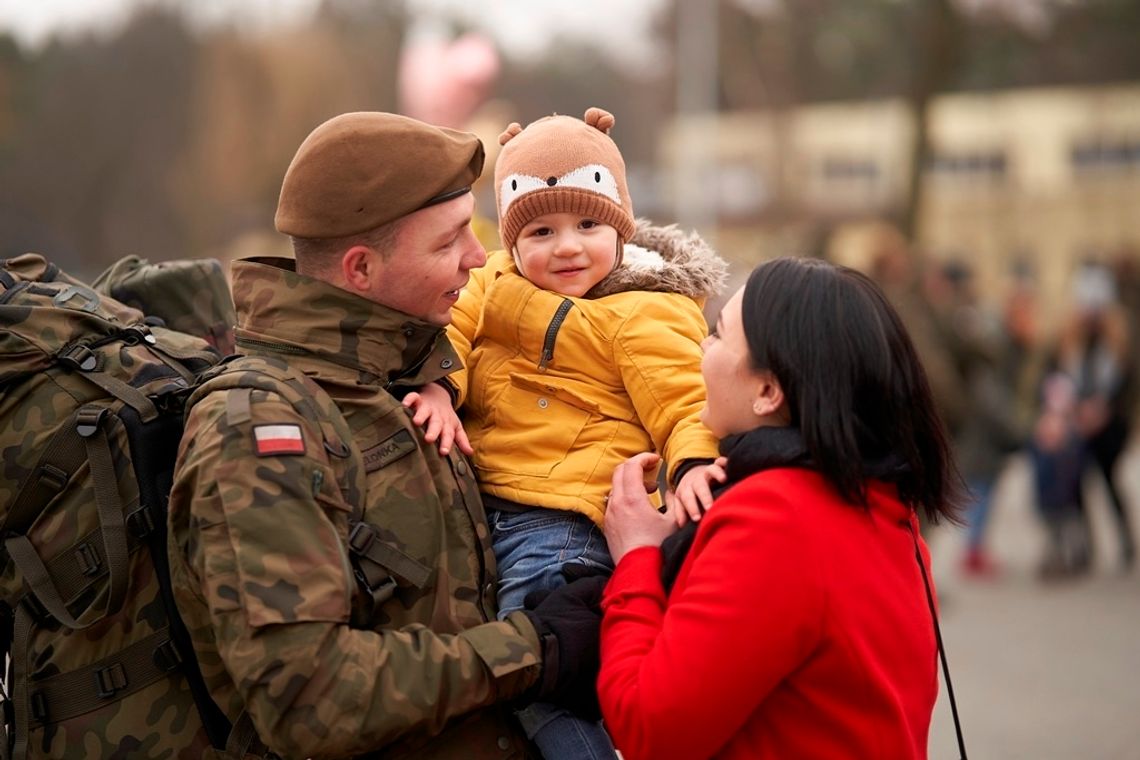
(667, 260)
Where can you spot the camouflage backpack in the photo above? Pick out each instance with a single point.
(91, 396)
(189, 295)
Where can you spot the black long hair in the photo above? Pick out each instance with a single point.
(852, 380)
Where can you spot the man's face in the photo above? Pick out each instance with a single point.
(429, 263)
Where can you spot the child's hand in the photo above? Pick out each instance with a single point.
(693, 495)
(433, 406)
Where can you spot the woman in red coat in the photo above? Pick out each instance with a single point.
(791, 620)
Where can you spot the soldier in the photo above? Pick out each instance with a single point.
(329, 657)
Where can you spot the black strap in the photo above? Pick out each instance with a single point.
(153, 450)
(941, 649)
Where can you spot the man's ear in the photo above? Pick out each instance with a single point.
(358, 268)
(768, 401)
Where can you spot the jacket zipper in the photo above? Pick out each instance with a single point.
(278, 347)
(552, 333)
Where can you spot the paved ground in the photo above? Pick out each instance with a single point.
(1042, 671)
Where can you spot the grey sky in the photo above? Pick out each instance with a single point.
(523, 28)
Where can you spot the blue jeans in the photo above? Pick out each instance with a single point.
(978, 513)
(530, 549)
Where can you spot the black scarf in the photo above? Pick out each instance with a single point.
(760, 449)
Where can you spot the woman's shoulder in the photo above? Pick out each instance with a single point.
(793, 491)
(780, 480)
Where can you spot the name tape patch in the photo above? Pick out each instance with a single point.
(396, 446)
(278, 439)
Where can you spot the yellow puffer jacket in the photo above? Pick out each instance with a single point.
(558, 391)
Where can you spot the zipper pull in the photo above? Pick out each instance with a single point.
(552, 333)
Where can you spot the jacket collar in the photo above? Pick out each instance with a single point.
(281, 311)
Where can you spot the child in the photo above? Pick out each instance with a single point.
(1058, 458)
(581, 346)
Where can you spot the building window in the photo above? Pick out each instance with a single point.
(835, 169)
(989, 166)
(1100, 155)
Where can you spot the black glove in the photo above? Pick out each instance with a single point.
(571, 572)
(568, 621)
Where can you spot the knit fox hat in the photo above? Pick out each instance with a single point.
(561, 164)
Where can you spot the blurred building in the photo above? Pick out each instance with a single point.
(1044, 177)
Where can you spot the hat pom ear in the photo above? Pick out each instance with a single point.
(512, 130)
(599, 119)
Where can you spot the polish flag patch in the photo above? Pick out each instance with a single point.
(278, 439)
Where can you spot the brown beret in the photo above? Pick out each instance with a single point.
(358, 171)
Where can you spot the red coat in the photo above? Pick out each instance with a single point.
(798, 627)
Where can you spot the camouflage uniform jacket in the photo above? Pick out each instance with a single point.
(258, 546)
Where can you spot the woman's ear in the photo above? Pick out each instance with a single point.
(768, 401)
(358, 268)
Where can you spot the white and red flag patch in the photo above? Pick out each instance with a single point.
(278, 439)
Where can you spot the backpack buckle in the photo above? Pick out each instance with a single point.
(87, 420)
(52, 477)
(136, 334)
(38, 704)
(167, 657)
(140, 523)
(88, 559)
(78, 356)
(110, 679)
(379, 592)
(360, 538)
(35, 607)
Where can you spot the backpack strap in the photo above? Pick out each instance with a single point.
(76, 692)
(21, 647)
(375, 562)
(92, 431)
(81, 359)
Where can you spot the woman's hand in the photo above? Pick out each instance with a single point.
(631, 519)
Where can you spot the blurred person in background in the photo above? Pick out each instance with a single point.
(1093, 352)
(1089, 383)
(990, 429)
(1126, 269)
(1058, 456)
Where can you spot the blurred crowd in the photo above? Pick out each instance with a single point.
(1066, 394)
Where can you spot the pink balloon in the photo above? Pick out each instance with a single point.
(445, 82)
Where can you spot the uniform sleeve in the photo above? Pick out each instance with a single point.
(265, 550)
(658, 351)
(678, 680)
(466, 315)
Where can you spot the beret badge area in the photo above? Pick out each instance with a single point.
(592, 177)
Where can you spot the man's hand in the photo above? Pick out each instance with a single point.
(693, 496)
(568, 621)
(432, 405)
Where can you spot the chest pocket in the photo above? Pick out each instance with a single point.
(392, 543)
(536, 425)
